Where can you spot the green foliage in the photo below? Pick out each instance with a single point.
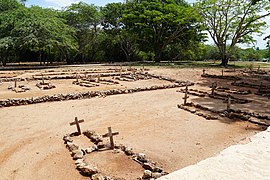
(158, 24)
(230, 22)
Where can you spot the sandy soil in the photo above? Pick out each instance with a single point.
(150, 122)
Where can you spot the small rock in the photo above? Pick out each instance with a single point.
(88, 150)
(78, 161)
(78, 155)
(156, 175)
(129, 151)
(147, 174)
(148, 166)
(72, 147)
(157, 169)
(87, 169)
(97, 177)
(100, 145)
(141, 157)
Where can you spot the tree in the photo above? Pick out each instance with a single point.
(158, 24)
(230, 22)
(114, 26)
(40, 30)
(85, 19)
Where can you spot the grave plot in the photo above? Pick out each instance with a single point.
(45, 85)
(215, 95)
(221, 76)
(262, 89)
(212, 114)
(18, 88)
(100, 160)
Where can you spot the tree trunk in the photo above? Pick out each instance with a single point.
(224, 61)
(158, 55)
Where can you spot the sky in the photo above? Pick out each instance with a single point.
(58, 4)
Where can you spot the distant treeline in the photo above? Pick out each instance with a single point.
(136, 30)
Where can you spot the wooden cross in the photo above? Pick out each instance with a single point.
(77, 79)
(76, 122)
(110, 134)
(261, 86)
(42, 79)
(214, 86)
(186, 96)
(15, 83)
(98, 78)
(229, 103)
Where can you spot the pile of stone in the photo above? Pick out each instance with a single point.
(45, 86)
(230, 113)
(19, 89)
(233, 91)
(83, 95)
(152, 171)
(234, 78)
(198, 113)
(245, 84)
(223, 97)
(188, 83)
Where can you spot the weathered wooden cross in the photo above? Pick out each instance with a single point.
(42, 79)
(77, 78)
(186, 96)
(214, 86)
(98, 78)
(110, 134)
(76, 122)
(15, 83)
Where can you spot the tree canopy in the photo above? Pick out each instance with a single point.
(230, 22)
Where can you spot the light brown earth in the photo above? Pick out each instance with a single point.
(150, 122)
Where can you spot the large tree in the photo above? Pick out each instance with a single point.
(85, 18)
(230, 22)
(36, 29)
(158, 24)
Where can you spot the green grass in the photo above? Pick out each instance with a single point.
(203, 64)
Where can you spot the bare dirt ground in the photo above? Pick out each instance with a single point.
(150, 122)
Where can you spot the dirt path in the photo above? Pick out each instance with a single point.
(150, 122)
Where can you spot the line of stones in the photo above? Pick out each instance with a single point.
(223, 97)
(221, 77)
(231, 113)
(152, 171)
(59, 77)
(83, 95)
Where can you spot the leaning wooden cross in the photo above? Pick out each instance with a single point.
(186, 96)
(77, 123)
(214, 86)
(110, 134)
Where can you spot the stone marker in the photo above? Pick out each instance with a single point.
(110, 134)
(76, 122)
(186, 96)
